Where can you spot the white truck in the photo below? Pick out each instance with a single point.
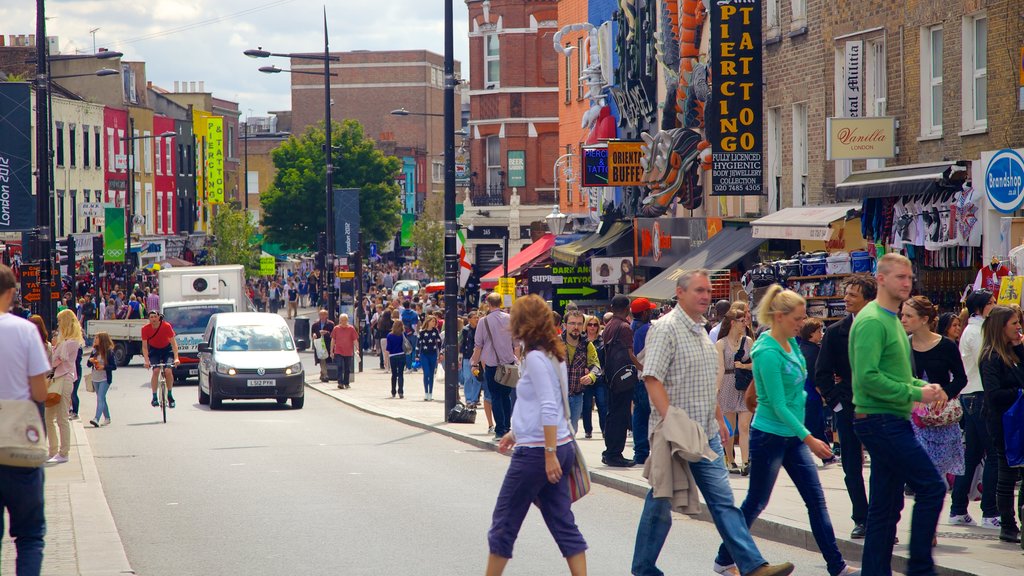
(188, 297)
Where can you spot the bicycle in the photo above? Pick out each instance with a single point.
(162, 386)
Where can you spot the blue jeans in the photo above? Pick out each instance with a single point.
(713, 481)
(591, 394)
(977, 442)
(575, 410)
(472, 384)
(101, 400)
(345, 365)
(429, 362)
(769, 453)
(414, 340)
(501, 402)
(641, 415)
(21, 494)
(898, 459)
(814, 414)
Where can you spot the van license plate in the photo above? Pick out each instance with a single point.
(252, 383)
(194, 372)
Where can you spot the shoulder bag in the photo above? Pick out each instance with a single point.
(506, 374)
(22, 437)
(1013, 432)
(579, 476)
(625, 376)
(743, 377)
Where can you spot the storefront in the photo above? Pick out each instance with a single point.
(615, 241)
(533, 255)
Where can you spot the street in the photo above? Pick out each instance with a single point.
(261, 489)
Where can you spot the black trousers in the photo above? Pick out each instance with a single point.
(1005, 484)
(853, 463)
(617, 422)
(397, 373)
(345, 364)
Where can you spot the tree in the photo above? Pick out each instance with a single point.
(428, 236)
(234, 243)
(295, 207)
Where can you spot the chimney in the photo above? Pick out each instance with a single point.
(176, 87)
(202, 87)
(191, 86)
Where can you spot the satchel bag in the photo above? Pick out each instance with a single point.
(742, 376)
(579, 476)
(22, 437)
(506, 374)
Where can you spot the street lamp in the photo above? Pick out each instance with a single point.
(451, 257)
(101, 72)
(556, 221)
(329, 166)
(130, 161)
(404, 112)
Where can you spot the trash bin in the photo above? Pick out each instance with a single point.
(300, 330)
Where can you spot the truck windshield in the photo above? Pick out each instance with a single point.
(253, 339)
(193, 319)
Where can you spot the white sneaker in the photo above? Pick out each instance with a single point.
(961, 520)
(991, 523)
(105, 422)
(58, 459)
(730, 570)
(849, 571)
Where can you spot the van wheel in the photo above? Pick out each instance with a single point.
(204, 398)
(121, 355)
(298, 401)
(282, 401)
(215, 400)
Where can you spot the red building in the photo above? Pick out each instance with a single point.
(115, 151)
(165, 203)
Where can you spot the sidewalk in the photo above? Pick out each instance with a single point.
(81, 539)
(961, 550)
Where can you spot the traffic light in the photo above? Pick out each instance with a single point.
(321, 250)
(72, 256)
(97, 258)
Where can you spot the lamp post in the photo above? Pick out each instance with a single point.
(329, 165)
(130, 138)
(451, 257)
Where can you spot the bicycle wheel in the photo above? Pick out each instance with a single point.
(163, 397)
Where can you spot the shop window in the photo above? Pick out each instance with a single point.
(931, 81)
(492, 61)
(975, 72)
(800, 154)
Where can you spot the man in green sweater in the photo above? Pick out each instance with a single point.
(884, 391)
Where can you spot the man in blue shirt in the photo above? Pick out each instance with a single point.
(411, 320)
(641, 309)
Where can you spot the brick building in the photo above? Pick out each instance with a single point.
(513, 115)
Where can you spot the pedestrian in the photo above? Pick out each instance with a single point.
(809, 340)
(472, 376)
(733, 348)
(596, 394)
(293, 299)
(884, 391)
(66, 348)
(344, 339)
(395, 348)
(778, 436)
(582, 363)
(832, 376)
(977, 439)
(721, 308)
(103, 365)
(322, 328)
(542, 448)
(493, 347)
(274, 297)
(949, 326)
(681, 370)
(1002, 375)
(384, 324)
(618, 342)
(429, 347)
(23, 377)
(642, 310)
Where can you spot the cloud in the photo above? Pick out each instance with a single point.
(213, 52)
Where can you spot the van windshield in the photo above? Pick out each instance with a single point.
(193, 319)
(253, 339)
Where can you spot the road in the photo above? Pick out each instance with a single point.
(260, 489)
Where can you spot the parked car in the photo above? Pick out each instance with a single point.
(403, 287)
(249, 355)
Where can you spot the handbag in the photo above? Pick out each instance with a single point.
(52, 392)
(1013, 432)
(950, 414)
(461, 414)
(742, 376)
(406, 345)
(579, 475)
(22, 437)
(505, 374)
(320, 347)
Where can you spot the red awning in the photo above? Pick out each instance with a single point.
(539, 249)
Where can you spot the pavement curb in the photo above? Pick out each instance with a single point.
(97, 543)
(764, 527)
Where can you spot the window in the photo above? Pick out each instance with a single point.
(231, 141)
(774, 175)
(159, 158)
(800, 154)
(772, 10)
(181, 159)
(59, 137)
(168, 146)
(975, 72)
(60, 213)
(159, 212)
(74, 212)
(85, 146)
(148, 147)
(581, 63)
(438, 172)
(96, 161)
(492, 61)
(493, 161)
(568, 75)
(135, 151)
(875, 88)
(931, 81)
(799, 13)
(71, 144)
(111, 153)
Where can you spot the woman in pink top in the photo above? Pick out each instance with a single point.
(65, 354)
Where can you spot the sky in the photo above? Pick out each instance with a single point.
(193, 40)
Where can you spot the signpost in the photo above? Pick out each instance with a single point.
(568, 283)
(31, 291)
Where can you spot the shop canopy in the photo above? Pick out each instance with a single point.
(896, 181)
(721, 251)
(573, 252)
(519, 262)
(801, 223)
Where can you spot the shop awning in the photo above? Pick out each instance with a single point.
(573, 252)
(721, 251)
(801, 223)
(895, 181)
(524, 259)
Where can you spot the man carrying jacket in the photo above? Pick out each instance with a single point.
(832, 376)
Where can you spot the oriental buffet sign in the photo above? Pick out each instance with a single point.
(861, 138)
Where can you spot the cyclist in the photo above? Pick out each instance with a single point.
(159, 347)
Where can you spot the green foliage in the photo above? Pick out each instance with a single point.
(295, 207)
(234, 238)
(428, 236)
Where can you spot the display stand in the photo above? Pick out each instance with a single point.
(823, 293)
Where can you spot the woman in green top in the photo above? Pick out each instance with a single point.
(778, 437)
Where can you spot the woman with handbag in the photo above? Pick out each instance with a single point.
(66, 348)
(396, 347)
(1002, 376)
(103, 366)
(734, 354)
(543, 450)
